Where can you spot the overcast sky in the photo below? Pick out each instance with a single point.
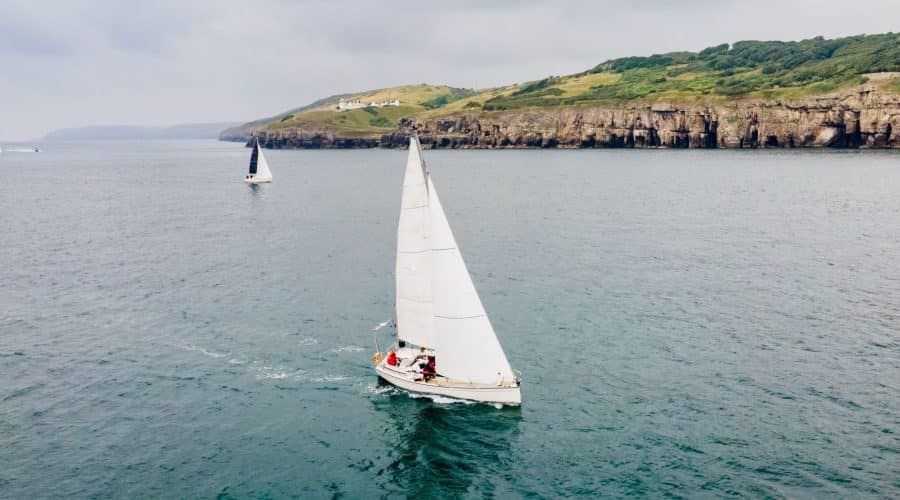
(102, 62)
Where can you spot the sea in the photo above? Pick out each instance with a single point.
(686, 324)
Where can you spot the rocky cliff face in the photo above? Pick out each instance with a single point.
(864, 116)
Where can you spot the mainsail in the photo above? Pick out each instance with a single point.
(415, 321)
(254, 157)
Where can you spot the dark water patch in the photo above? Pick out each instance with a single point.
(21, 392)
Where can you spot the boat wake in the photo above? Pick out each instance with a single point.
(308, 341)
(441, 400)
(260, 369)
(204, 351)
(382, 389)
(348, 348)
(277, 373)
(330, 379)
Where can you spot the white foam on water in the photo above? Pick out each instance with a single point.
(441, 400)
(308, 341)
(272, 373)
(348, 348)
(381, 389)
(212, 354)
(331, 378)
(268, 372)
(260, 369)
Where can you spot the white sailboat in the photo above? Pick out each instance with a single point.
(439, 316)
(259, 167)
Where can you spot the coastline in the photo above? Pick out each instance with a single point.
(865, 117)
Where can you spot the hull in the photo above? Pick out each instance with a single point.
(507, 395)
(257, 181)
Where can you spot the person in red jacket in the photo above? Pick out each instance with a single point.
(429, 370)
(392, 358)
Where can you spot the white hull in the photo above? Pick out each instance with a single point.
(507, 395)
(257, 181)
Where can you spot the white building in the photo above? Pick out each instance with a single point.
(344, 104)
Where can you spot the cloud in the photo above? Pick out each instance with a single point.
(106, 62)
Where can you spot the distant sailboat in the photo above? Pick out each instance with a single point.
(259, 167)
(445, 344)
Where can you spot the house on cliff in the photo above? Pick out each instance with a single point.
(344, 104)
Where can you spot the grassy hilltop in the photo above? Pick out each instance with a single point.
(725, 73)
(323, 114)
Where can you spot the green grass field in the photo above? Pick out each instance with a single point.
(324, 115)
(743, 70)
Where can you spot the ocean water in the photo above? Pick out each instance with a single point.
(686, 323)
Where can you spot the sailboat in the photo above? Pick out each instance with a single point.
(259, 167)
(445, 343)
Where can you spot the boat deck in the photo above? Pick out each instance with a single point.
(409, 370)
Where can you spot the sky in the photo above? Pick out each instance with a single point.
(106, 62)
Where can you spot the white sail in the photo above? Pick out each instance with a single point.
(415, 322)
(262, 169)
(467, 348)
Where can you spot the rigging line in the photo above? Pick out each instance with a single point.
(414, 251)
(422, 160)
(460, 317)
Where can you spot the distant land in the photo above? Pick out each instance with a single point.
(843, 92)
(138, 132)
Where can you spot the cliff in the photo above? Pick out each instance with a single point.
(864, 116)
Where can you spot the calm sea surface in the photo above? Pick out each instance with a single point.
(687, 324)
